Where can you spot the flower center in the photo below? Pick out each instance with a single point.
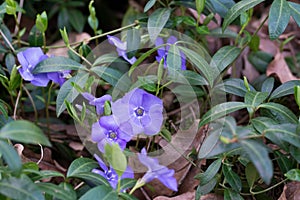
(110, 175)
(112, 135)
(139, 112)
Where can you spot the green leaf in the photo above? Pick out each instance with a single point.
(192, 77)
(40, 175)
(57, 63)
(234, 86)
(297, 95)
(293, 175)
(210, 172)
(81, 165)
(295, 11)
(237, 10)
(286, 132)
(224, 57)
(279, 17)
(251, 174)
(221, 6)
(295, 152)
(221, 110)
(125, 196)
(205, 189)
(231, 194)
(77, 20)
(110, 75)
(55, 191)
(149, 5)
(288, 115)
(268, 85)
(127, 183)
(232, 178)
(260, 60)
(25, 132)
(35, 37)
(284, 162)
(91, 177)
(133, 40)
(20, 188)
(69, 93)
(106, 193)
(108, 58)
(254, 99)
(259, 156)
(156, 22)
(10, 156)
(173, 59)
(116, 158)
(285, 89)
(42, 22)
(209, 72)
(68, 188)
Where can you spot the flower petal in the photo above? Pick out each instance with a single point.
(32, 55)
(40, 80)
(109, 123)
(169, 181)
(117, 42)
(98, 132)
(101, 163)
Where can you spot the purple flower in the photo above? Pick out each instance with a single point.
(98, 102)
(121, 48)
(155, 170)
(110, 174)
(142, 110)
(163, 51)
(29, 59)
(106, 130)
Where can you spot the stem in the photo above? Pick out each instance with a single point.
(265, 190)
(119, 184)
(32, 102)
(7, 41)
(97, 36)
(16, 105)
(44, 41)
(83, 58)
(47, 102)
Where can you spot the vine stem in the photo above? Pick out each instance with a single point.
(32, 102)
(47, 102)
(7, 41)
(16, 105)
(97, 36)
(265, 190)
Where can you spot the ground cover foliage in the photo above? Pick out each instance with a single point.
(158, 99)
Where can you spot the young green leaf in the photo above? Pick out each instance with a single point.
(293, 175)
(41, 22)
(116, 158)
(297, 95)
(81, 165)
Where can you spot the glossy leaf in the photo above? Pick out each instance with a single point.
(77, 19)
(237, 10)
(295, 11)
(293, 175)
(44, 174)
(205, 189)
(232, 178)
(221, 110)
(100, 191)
(20, 188)
(286, 132)
(288, 115)
(116, 158)
(35, 37)
(81, 165)
(254, 98)
(231, 194)
(234, 86)
(210, 73)
(10, 156)
(279, 17)
(173, 59)
(55, 191)
(210, 172)
(91, 177)
(285, 89)
(24, 132)
(224, 57)
(268, 85)
(57, 63)
(251, 174)
(260, 60)
(149, 5)
(68, 93)
(192, 78)
(125, 196)
(156, 22)
(259, 156)
(127, 183)
(221, 6)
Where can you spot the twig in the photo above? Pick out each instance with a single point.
(16, 105)
(42, 155)
(19, 17)
(7, 41)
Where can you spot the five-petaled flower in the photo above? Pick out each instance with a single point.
(110, 174)
(98, 102)
(155, 170)
(121, 48)
(106, 130)
(163, 51)
(142, 110)
(28, 59)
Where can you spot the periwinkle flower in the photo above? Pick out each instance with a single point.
(121, 48)
(110, 174)
(98, 102)
(163, 51)
(142, 110)
(28, 59)
(155, 170)
(106, 130)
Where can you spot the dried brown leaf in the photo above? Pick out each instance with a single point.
(291, 191)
